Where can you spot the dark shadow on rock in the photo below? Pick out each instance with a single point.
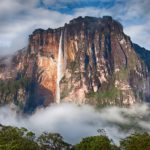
(39, 96)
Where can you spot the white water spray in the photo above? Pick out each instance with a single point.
(59, 70)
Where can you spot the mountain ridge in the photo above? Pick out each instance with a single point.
(143, 53)
(99, 66)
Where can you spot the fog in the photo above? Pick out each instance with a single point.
(74, 122)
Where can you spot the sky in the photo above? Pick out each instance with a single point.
(18, 18)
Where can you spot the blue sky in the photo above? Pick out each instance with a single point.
(68, 6)
(18, 18)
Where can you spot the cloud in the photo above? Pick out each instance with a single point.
(19, 18)
(90, 11)
(74, 122)
(140, 34)
(137, 9)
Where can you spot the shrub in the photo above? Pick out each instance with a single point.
(136, 141)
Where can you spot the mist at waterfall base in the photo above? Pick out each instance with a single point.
(74, 122)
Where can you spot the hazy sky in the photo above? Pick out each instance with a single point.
(18, 18)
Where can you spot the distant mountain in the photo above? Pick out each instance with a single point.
(143, 53)
(90, 60)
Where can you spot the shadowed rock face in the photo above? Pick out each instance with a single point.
(143, 54)
(99, 66)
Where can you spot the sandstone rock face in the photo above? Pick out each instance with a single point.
(99, 66)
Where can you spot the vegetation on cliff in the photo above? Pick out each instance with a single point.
(15, 90)
(102, 97)
(12, 86)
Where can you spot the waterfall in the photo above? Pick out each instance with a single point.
(59, 70)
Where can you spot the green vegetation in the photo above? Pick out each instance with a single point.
(65, 92)
(122, 74)
(95, 143)
(66, 88)
(12, 138)
(72, 66)
(133, 61)
(52, 141)
(109, 94)
(12, 86)
(137, 141)
(17, 139)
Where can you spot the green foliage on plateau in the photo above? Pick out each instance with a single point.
(137, 141)
(109, 94)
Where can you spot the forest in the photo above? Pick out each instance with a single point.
(14, 138)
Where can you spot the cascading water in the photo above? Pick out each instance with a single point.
(59, 70)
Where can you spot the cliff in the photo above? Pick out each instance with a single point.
(89, 60)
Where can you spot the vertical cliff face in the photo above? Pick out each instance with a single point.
(102, 66)
(43, 50)
(89, 60)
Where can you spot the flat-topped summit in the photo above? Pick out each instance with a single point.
(95, 62)
(97, 22)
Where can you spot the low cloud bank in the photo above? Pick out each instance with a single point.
(74, 122)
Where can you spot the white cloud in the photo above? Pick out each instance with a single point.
(19, 23)
(139, 34)
(91, 11)
(19, 18)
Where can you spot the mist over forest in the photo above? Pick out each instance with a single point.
(74, 122)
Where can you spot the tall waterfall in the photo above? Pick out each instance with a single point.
(59, 70)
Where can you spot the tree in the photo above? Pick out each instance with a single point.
(96, 143)
(12, 138)
(136, 141)
(52, 141)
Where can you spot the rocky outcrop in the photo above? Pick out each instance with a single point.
(98, 64)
